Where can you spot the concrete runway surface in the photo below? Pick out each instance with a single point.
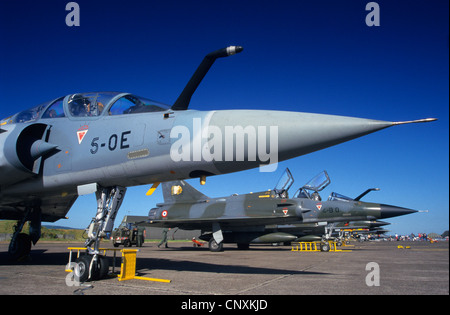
(422, 269)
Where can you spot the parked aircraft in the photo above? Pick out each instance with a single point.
(263, 217)
(103, 142)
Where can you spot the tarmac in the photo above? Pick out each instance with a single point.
(419, 268)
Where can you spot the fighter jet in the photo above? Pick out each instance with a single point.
(103, 142)
(324, 231)
(254, 217)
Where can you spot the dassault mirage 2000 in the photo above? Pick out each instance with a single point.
(324, 231)
(262, 217)
(103, 142)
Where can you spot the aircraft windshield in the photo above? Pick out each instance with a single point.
(132, 104)
(31, 114)
(301, 193)
(339, 197)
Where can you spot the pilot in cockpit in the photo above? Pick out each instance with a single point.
(282, 193)
(79, 106)
(315, 196)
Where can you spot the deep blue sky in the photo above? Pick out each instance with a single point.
(312, 56)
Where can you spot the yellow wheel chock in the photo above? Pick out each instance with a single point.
(315, 247)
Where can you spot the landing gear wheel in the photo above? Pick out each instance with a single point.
(214, 247)
(103, 267)
(21, 247)
(82, 268)
(325, 247)
(99, 269)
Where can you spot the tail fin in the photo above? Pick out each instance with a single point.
(180, 191)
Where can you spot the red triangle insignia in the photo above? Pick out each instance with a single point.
(81, 135)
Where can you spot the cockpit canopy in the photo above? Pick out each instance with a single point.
(84, 105)
(284, 183)
(318, 183)
(311, 189)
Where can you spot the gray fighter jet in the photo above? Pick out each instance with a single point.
(324, 231)
(103, 142)
(250, 218)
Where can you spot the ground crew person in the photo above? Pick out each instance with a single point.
(164, 238)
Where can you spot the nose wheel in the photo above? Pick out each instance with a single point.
(94, 266)
(91, 267)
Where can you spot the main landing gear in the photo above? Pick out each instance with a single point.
(20, 245)
(94, 266)
(214, 246)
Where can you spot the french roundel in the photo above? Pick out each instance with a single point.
(164, 213)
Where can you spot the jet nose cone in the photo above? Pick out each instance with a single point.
(387, 211)
(274, 136)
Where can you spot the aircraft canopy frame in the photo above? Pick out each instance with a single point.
(284, 183)
(89, 105)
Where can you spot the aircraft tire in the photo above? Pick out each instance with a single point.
(21, 247)
(325, 247)
(214, 247)
(82, 268)
(103, 267)
(100, 270)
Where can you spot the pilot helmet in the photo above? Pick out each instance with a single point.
(79, 105)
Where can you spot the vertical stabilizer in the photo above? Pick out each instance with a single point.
(180, 191)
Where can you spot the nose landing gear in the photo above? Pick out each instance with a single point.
(94, 266)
